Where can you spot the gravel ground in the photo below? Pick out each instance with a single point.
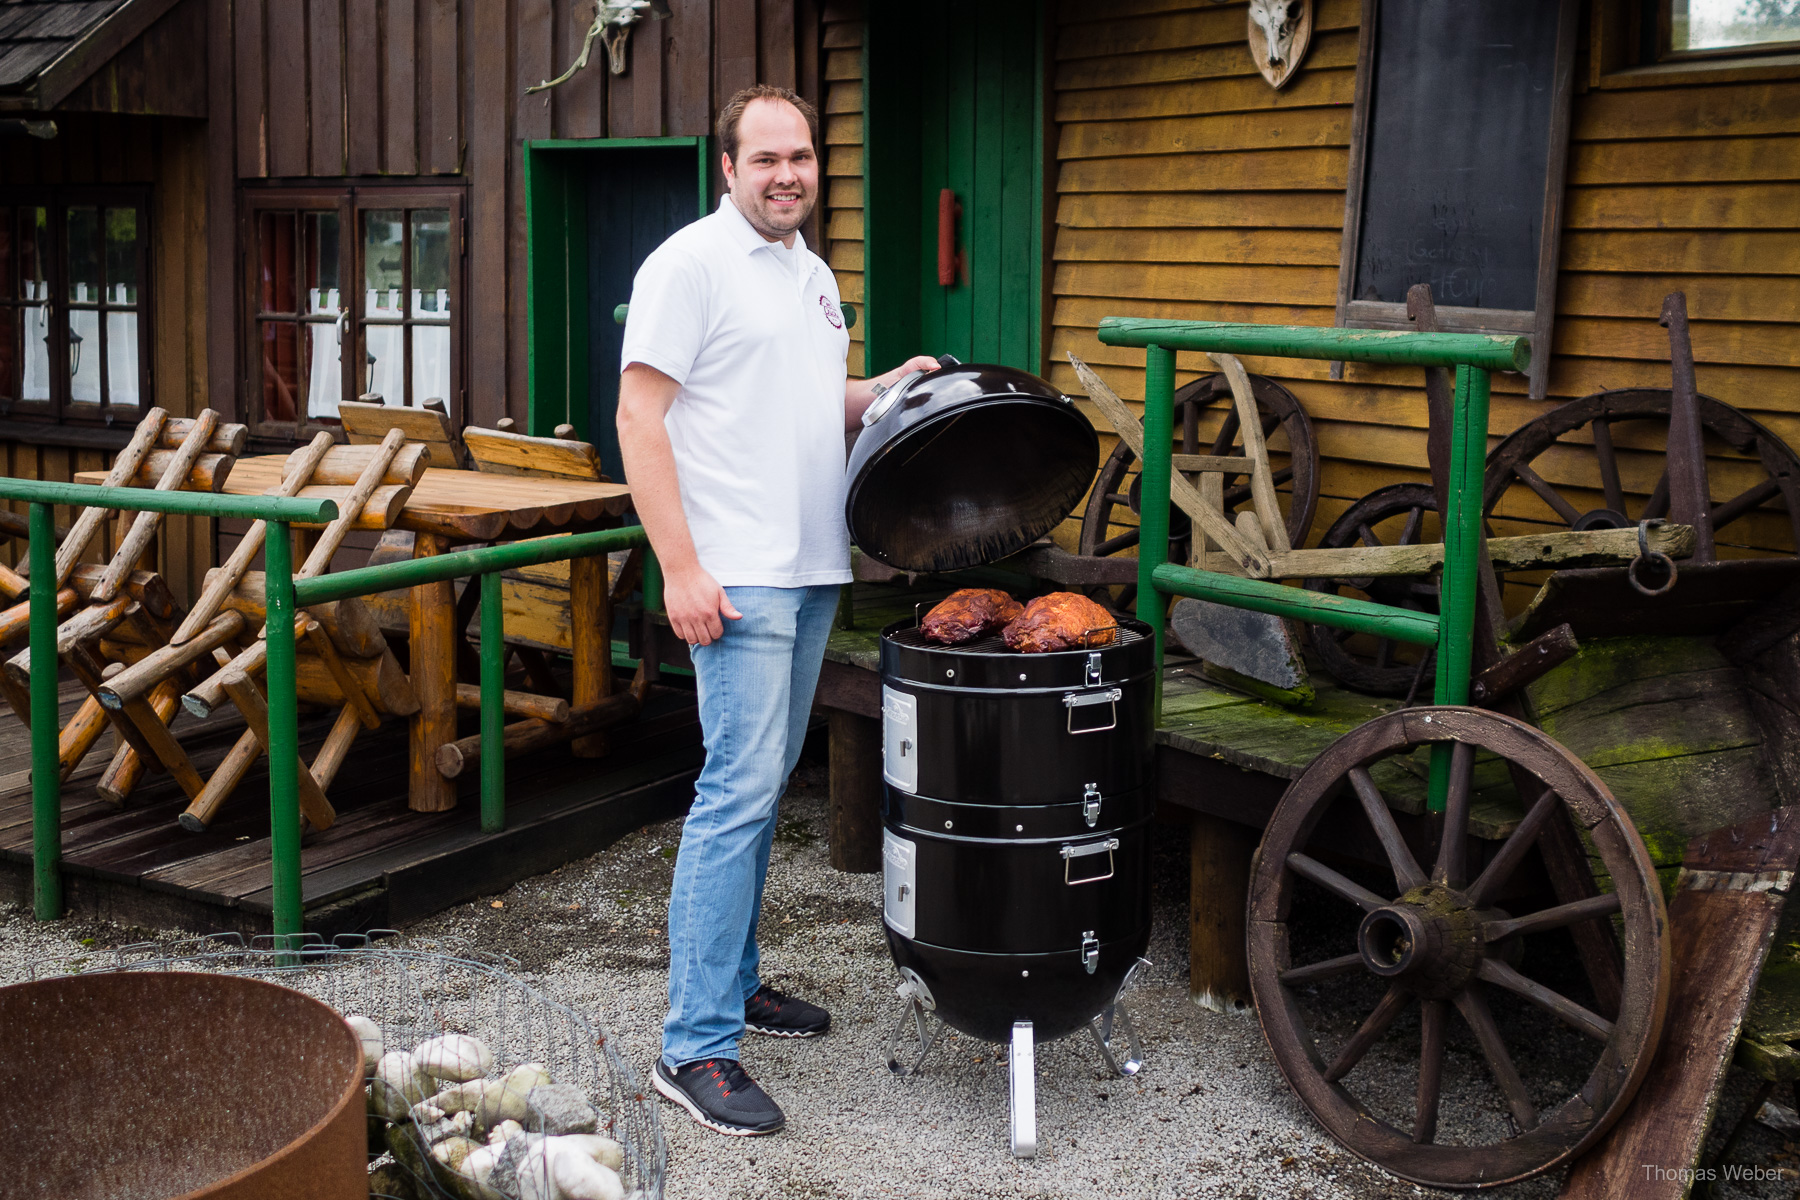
(1209, 1116)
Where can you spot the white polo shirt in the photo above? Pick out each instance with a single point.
(755, 336)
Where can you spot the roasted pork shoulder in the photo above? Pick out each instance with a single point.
(968, 614)
(1061, 621)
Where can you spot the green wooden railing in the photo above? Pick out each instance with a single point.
(284, 596)
(1473, 356)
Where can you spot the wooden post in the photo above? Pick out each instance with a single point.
(433, 630)
(1690, 500)
(590, 644)
(1218, 891)
(854, 830)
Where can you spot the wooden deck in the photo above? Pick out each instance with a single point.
(379, 865)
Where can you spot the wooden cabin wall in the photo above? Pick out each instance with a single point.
(843, 136)
(434, 89)
(170, 155)
(1188, 188)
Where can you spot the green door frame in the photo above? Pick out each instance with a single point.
(897, 232)
(556, 267)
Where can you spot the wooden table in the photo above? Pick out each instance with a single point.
(447, 509)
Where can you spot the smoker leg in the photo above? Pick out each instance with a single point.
(1115, 1018)
(1022, 1066)
(920, 1018)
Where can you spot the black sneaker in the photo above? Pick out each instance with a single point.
(780, 1015)
(717, 1093)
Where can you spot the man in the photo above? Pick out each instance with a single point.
(732, 411)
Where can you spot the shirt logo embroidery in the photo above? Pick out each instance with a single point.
(831, 312)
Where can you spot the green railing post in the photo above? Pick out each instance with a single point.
(46, 770)
(1462, 552)
(493, 713)
(653, 581)
(284, 738)
(1153, 485)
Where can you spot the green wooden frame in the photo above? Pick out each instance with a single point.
(894, 228)
(1473, 356)
(556, 255)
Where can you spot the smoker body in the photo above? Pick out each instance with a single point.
(1019, 791)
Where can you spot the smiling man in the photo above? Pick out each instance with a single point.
(732, 410)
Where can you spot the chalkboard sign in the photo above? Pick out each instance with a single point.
(1460, 137)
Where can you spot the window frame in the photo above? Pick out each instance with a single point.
(350, 201)
(62, 407)
(1661, 19)
(1537, 322)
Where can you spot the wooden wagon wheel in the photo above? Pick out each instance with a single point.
(1512, 461)
(1288, 431)
(1401, 514)
(1437, 937)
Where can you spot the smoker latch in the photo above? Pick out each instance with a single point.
(1093, 668)
(1090, 951)
(1090, 805)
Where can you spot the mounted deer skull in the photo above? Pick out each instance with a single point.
(1279, 33)
(613, 20)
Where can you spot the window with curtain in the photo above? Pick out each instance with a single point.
(73, 304)
(354, 293)
(1713, 28)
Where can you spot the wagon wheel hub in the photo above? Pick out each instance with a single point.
(1602, 518)
(1429, 939)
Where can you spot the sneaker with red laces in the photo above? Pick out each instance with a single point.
(778, 1014)
(718, 1093)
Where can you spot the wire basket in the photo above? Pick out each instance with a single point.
(413, 995)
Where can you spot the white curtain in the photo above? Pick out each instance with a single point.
(326, 386)
(122, 353)
(84, 350)
(37, 344)
(386, 346)
(431, 349)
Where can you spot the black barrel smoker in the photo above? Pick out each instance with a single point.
(1019, 787)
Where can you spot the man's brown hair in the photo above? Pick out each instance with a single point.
(733, 114)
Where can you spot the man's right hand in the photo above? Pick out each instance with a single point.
(694, 602)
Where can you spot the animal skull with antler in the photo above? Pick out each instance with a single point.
(613, 20)
(1279, 33)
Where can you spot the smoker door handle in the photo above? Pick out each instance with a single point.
(1105, 846)
(1074, 700)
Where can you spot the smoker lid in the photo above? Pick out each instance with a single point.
(965, 465)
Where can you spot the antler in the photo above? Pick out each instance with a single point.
(622, 15)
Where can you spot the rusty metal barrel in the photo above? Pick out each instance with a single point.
(148, 1085)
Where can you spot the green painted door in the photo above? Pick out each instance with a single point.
(954, 104)
(594, 210)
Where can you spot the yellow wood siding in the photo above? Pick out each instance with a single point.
(1188, 188)
(843, 134)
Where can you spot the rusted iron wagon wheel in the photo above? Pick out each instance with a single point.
(1287, 430)
(1401, 514)
(1514, 462)
(1438, 939)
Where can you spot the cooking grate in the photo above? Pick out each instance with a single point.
(914, 637)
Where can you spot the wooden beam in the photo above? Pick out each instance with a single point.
(1559, 550)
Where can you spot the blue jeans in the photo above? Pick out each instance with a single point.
(756, 689)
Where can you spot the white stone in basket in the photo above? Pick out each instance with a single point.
(455, 1057)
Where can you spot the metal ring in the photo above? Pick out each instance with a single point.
(1654, 557)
